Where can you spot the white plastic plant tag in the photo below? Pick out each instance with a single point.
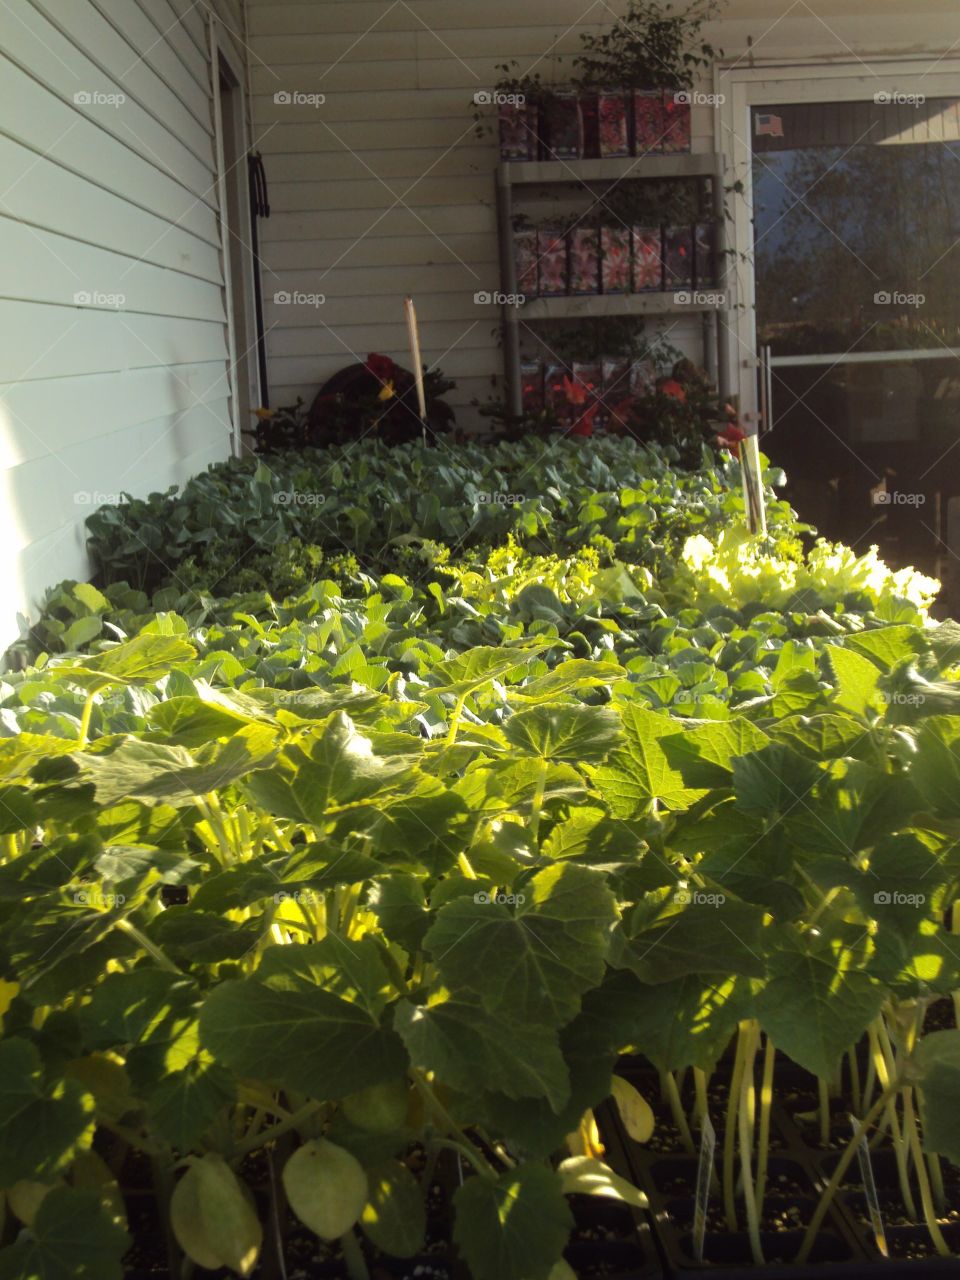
(870, 1188)
(708, 1146)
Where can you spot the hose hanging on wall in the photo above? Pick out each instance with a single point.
(259, 208)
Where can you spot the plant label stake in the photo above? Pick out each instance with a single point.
(411, 313)
(708, 1146)
(870, 1188)
(753, 484)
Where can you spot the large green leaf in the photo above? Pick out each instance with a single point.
(42, 1124)
(73, 1237)
(697, 933)
(514, 1228)
(394, 1218)
(471, 1050)
(310, 1041)
(332, 767)
(935, 770)
(817, 1001)
(475, 668)
(857, 680)
(534, 960)
(773, 782)
(572, 674)
(564, 732)
(640, 771)
(705, 754)
(146, 657)
(937, 1067)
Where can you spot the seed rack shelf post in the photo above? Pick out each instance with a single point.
(707, 166)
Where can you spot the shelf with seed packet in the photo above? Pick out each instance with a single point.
(576, 246)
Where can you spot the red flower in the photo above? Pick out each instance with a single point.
(674, 389)
(382, 367)
(731, 437)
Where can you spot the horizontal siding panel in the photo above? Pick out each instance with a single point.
(346, 76)
(370, 193)
(60, 342)
(73, 482)
(187, 22)
(396, 222)
(451, 107)
(436, 133)
(440, 340)
(162, 56)
(321, 51)
(44, 267)
(399, 251)
(441, 16)
(65, 134)
(411, 163)
(48, 415)
(354, 308)
(41, 192)
(375, 286)
(43, 50)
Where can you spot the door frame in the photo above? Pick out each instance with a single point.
(243, 372)
(741, 87)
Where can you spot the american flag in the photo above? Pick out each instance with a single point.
(766, 126)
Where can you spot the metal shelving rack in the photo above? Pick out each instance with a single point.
(512, 174)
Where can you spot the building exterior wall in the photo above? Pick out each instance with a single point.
(386, 188)
(113, 365)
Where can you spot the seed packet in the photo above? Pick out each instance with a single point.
(525, 250)
(612, 123)
(584, 249)
(677, 258)
(555, 392)
(615, 257)
(589, 126)
(705, 254)
(616, 378)
(564, 131)
(531, 383)
(647, 259)
(649, 122)
(676, 122)
(552, 253)
(518, 132)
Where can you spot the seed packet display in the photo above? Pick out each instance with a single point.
(676, 122)
(564, 127)
(555, 393)
(552, 254)
(615, 259)
(647, 259)
(649, 121)
(525, 251)
(584, 251)
(531, 383)
(677, 258)
(705, 254)
(589, 125)
(613, 123)
(615, 406)
(518, 132)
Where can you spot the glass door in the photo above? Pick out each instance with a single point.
(855, 255)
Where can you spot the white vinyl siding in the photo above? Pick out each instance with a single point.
(99, 199)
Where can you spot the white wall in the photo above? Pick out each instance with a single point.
(385, 189)
(103, 199)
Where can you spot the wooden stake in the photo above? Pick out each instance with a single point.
(753, 485)
(411, 314)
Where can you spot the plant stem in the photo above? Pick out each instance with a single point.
(926, 1199)
(824, 1093)
(855, 1094)
(745, 1125)
(766, 1102)
(676, 1107)
(151, 948)
(730, 1133)
(885, 1070)
(85, 717)
(449, 1125)
(353, 1256)
(701, 1106)
(840, 1171)
(277, 1130)
(455, 715)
